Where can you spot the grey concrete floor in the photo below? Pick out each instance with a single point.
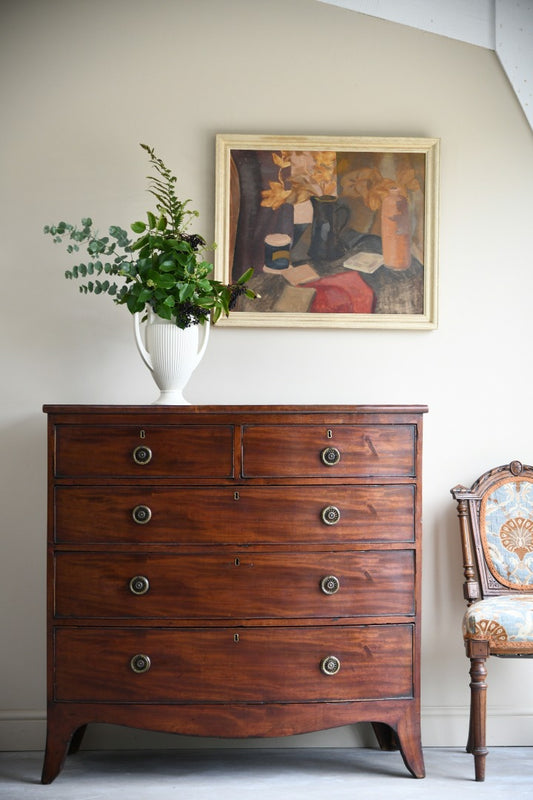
(284, 774)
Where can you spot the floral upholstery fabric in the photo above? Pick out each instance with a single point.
(505, 621)
(506, 526)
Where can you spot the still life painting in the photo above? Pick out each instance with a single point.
(340, 231)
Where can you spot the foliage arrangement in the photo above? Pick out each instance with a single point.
(163, 268)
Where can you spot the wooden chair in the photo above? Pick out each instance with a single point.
(496, 521)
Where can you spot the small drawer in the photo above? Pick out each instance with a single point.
(220, 665)
(249, 585)
(319, 451)
(153, 451)
(244, 514)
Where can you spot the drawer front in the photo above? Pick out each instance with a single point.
(318, 451)
(234, 664)
(253, 514)
(288, 585)
(154, 451)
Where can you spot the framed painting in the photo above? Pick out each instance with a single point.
(340, 231)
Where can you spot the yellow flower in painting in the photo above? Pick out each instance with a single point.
(275, 196)
(326, 158)
(324, 171)
(378, 192)
(407, 180)
(367, 183)
(282, 160)
(360, 182)
(310, 173)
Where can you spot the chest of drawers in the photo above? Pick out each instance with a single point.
(234, 571)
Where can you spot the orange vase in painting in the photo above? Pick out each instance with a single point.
(395, 230)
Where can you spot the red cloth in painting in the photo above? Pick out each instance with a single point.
(345, 293)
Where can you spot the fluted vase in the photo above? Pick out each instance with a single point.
(170, 353)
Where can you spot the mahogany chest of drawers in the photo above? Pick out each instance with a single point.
(234, 571)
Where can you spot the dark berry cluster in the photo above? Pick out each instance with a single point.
(236, 291)
(188, 314)
(194, 240)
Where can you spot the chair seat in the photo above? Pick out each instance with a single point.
(505, 621)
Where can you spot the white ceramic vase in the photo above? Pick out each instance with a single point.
(170, 353)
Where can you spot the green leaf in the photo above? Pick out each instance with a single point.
(164, 312)
(246, 276)
(168, 265)
(186, 291)
(133, 304)
(164, 281)
(140, 242)
(138, 227)
(152, 222)
(144, 296)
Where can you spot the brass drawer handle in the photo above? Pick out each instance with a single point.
(139, 585)
(142, 514)
(330, 584)
(142, 454)
(330, 456)
(140, 663)
(330, 665)
(330, 515)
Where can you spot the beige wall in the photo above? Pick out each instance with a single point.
(82, 83)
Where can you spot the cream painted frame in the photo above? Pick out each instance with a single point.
(429, 147)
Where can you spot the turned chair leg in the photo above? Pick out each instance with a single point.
(478, 714)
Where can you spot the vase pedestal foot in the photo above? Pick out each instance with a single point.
(171, 398)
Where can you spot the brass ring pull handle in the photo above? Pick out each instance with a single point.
(141, 515)
(330, 515)
(330, 584)
(330, 456)
(142, 454)
(139, 585)
(140, 663)
(330, 665)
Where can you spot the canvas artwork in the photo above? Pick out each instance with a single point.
(339, 231)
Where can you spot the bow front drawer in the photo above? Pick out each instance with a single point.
(244, 514)
(319, 451)
(153, 451)
(234, 665)
(255, 585)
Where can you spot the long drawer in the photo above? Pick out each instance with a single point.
(260, 585)
(153, 451)
(319, 451)
(225, 515)
(233, 664)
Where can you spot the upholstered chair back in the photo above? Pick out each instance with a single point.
(506, 531)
